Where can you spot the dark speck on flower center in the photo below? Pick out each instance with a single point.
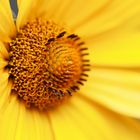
(47, 64)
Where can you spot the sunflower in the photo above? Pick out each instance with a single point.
(44, 61)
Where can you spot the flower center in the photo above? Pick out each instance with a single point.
(46, 64)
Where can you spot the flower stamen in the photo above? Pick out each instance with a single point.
(46, 64)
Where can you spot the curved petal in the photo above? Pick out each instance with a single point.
(32, 122)
(117, 14)
(66, 12)
(7, 26)
(92, 121)
(9, 120)
(3, 51)
(24, 12)
(72, 12)
(64, 127)
(3, 63)
(29, 10)
(23, 123)
(116, 89)
(43, 128)
(116, 49)
(47, 8)
(89, 21)
(5, 89)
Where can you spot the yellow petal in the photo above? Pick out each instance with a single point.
(25, 127)
(9, 120)
(116, 89)
(5, 89)
(73, 12)
(109, 125)
(29, 123)
(92, 121)
(19, 3)
(29, 10)
(60, 11)
(116, 14)
(116, 49)
(3, 63)
(64, 127)
(43, 126)
(43, 9)
(3, 51)
(25, 12)
(7, 27)
(23, 124)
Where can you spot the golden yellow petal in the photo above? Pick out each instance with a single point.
(3, 51)
(52, 7)
(72, 12)
(25, 11)
(3, 63)
(61, 11)
(5, 89)
(84, 120)
(116, 14)
(9, 120)
(47, 9)
(116, 89)
(23, 124)
(43, 128)
(110, 126)
(18, 3)
(64, 127)
(7, 26)
(30, 10)
(116, 49)
(42, 9)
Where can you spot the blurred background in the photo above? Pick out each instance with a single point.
(14, 7)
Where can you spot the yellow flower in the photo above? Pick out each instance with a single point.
(103, 107)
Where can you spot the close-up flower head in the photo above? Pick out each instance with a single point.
(69, 69)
